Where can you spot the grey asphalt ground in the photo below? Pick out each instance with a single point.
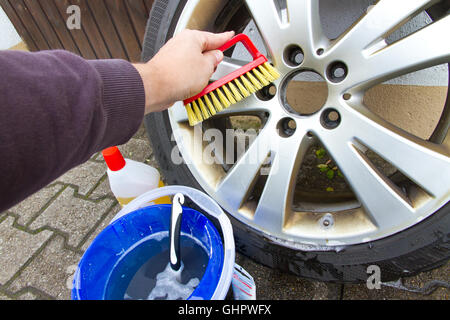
(43, 238)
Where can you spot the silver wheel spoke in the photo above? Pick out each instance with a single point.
(418, 51)
(305, 26)
(276, 199)
(302, 23)
(227, 66)
(236, 184)
(381, 19)
(381, 202)
(427, 165)
(264, 12)
(424, 163)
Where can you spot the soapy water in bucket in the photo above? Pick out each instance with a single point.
(144, 278)
(169, 285)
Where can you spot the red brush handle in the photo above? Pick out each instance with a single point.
(258, 59)
(245, 40)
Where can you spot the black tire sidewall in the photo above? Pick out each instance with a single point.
(419, 248)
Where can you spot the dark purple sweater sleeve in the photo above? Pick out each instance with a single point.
(56, 111)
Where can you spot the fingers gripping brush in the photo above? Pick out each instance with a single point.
(233, 87)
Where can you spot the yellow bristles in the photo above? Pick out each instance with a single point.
(198, 113)
(254, 81)
(261, 77)
(191, 116)
(230, 93)
(235, 91)
(272, 70)
(216, 102)
(266, 74)
(248, 85)
(242, 89)
(203, 107)
(204, 111)
(209, 105)
(223, 99)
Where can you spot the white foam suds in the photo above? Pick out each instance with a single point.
(168, 285)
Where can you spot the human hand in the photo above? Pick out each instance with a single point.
(182, 68)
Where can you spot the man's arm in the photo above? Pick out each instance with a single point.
(57, 109)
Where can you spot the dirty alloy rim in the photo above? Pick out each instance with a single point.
(364, 59)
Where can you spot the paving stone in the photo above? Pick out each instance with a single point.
(151, 161)
(27, 296)
(85, 176)
(17, 247)
(141, 133)
(51, 271)
(274, 285)
(72, 215)
(335, 291)
(102, 190)
(95, 156)
(28, 208)
(102, 226)
(136, 149)
(360, 291)
(320, 291)
(4, 297)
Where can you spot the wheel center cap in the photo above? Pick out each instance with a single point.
(303, 92)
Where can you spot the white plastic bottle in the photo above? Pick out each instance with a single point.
(129, 179)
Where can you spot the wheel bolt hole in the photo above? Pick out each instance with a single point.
(333, 116)
(327, 221)
(337, 71)
(330, 119)
(297, 58)
(267, 93)
(293, 56)
(286, 127)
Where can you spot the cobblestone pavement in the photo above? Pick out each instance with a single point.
(43, 238)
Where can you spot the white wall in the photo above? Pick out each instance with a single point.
(8, 34)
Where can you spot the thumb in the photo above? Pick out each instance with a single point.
(213, 41)
(214, 57)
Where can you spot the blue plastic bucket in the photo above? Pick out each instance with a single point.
(137, 235)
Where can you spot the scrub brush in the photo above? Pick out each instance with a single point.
(233, 87)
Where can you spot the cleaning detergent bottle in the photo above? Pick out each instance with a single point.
(129, 179)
